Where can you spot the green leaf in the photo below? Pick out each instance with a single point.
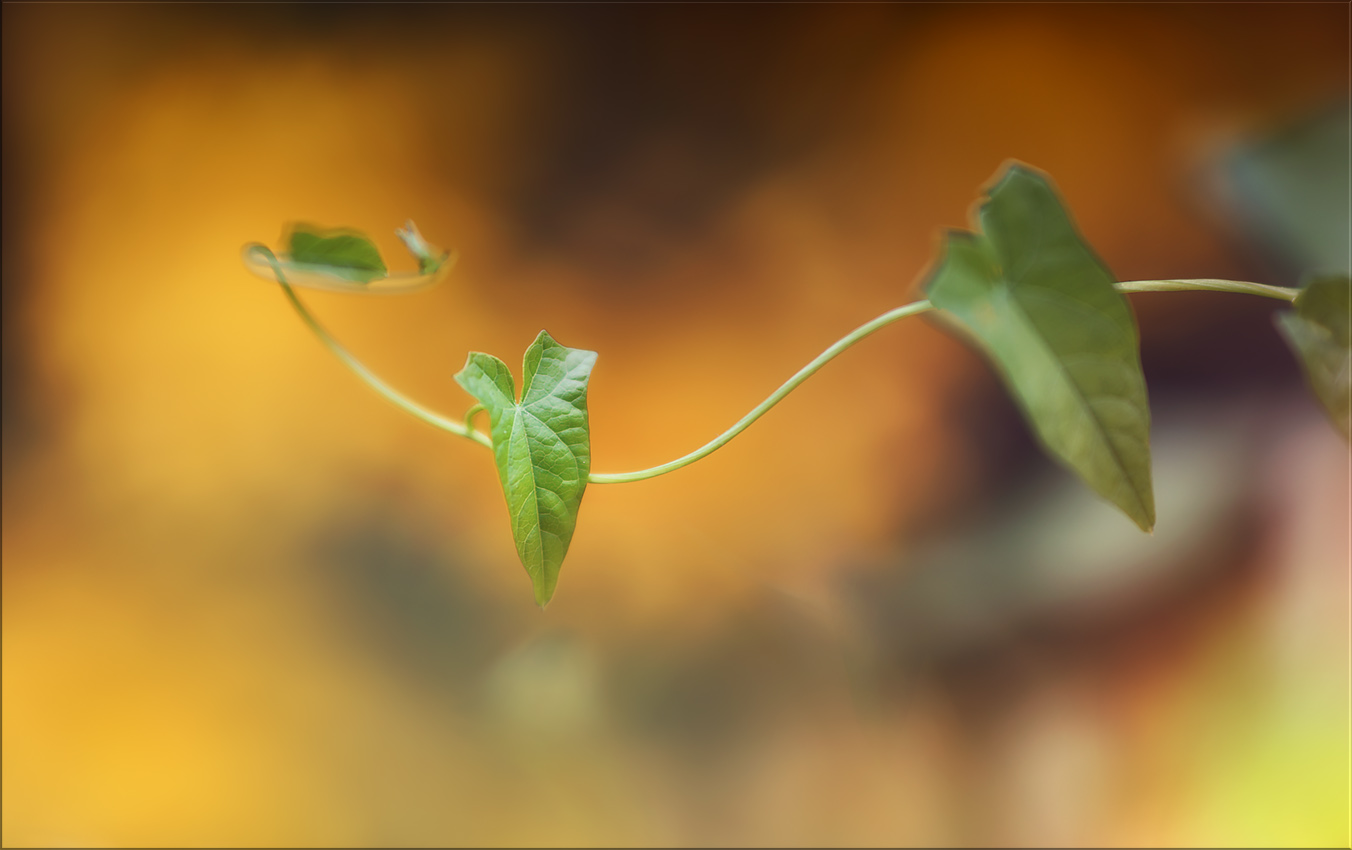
(1031, 292)
(343, 253)
(542, 445)
(1318, 331)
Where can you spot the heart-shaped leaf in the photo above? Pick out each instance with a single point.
(542, 445)
(1043, 306)
(1318, 331)
(342, 253)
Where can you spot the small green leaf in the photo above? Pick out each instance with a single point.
(1318, 331)
(542, 446)
(1043, 306)
(342, 253)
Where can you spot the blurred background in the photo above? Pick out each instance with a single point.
(248, 602)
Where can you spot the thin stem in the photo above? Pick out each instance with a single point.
(470, 414)
(1280, 293)
(759, 410)
(399, 399)
(888, 318)
(467, 431)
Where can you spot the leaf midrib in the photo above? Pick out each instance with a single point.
(534, 498)
(1100, 433)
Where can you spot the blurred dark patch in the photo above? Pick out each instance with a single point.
(980, 668)
(999, 445)
(662, 116)
(650, 145)
(1215, 344)
(409, 602)
(1052, 578)
(706, 700)
(20, 413)
(1290, 189)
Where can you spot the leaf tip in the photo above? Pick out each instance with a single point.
(1139, 506)
(1145, 517)
(1018, 166)
(543, 595)
(461, 376)
(1013, 170)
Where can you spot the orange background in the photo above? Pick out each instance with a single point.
(248, 602)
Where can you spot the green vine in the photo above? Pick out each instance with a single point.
(1023, 285)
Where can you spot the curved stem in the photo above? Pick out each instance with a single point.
(400, 400)
(470, 414)
(1244, 287)
(467, 431)
(914, 308)
(759, 410)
